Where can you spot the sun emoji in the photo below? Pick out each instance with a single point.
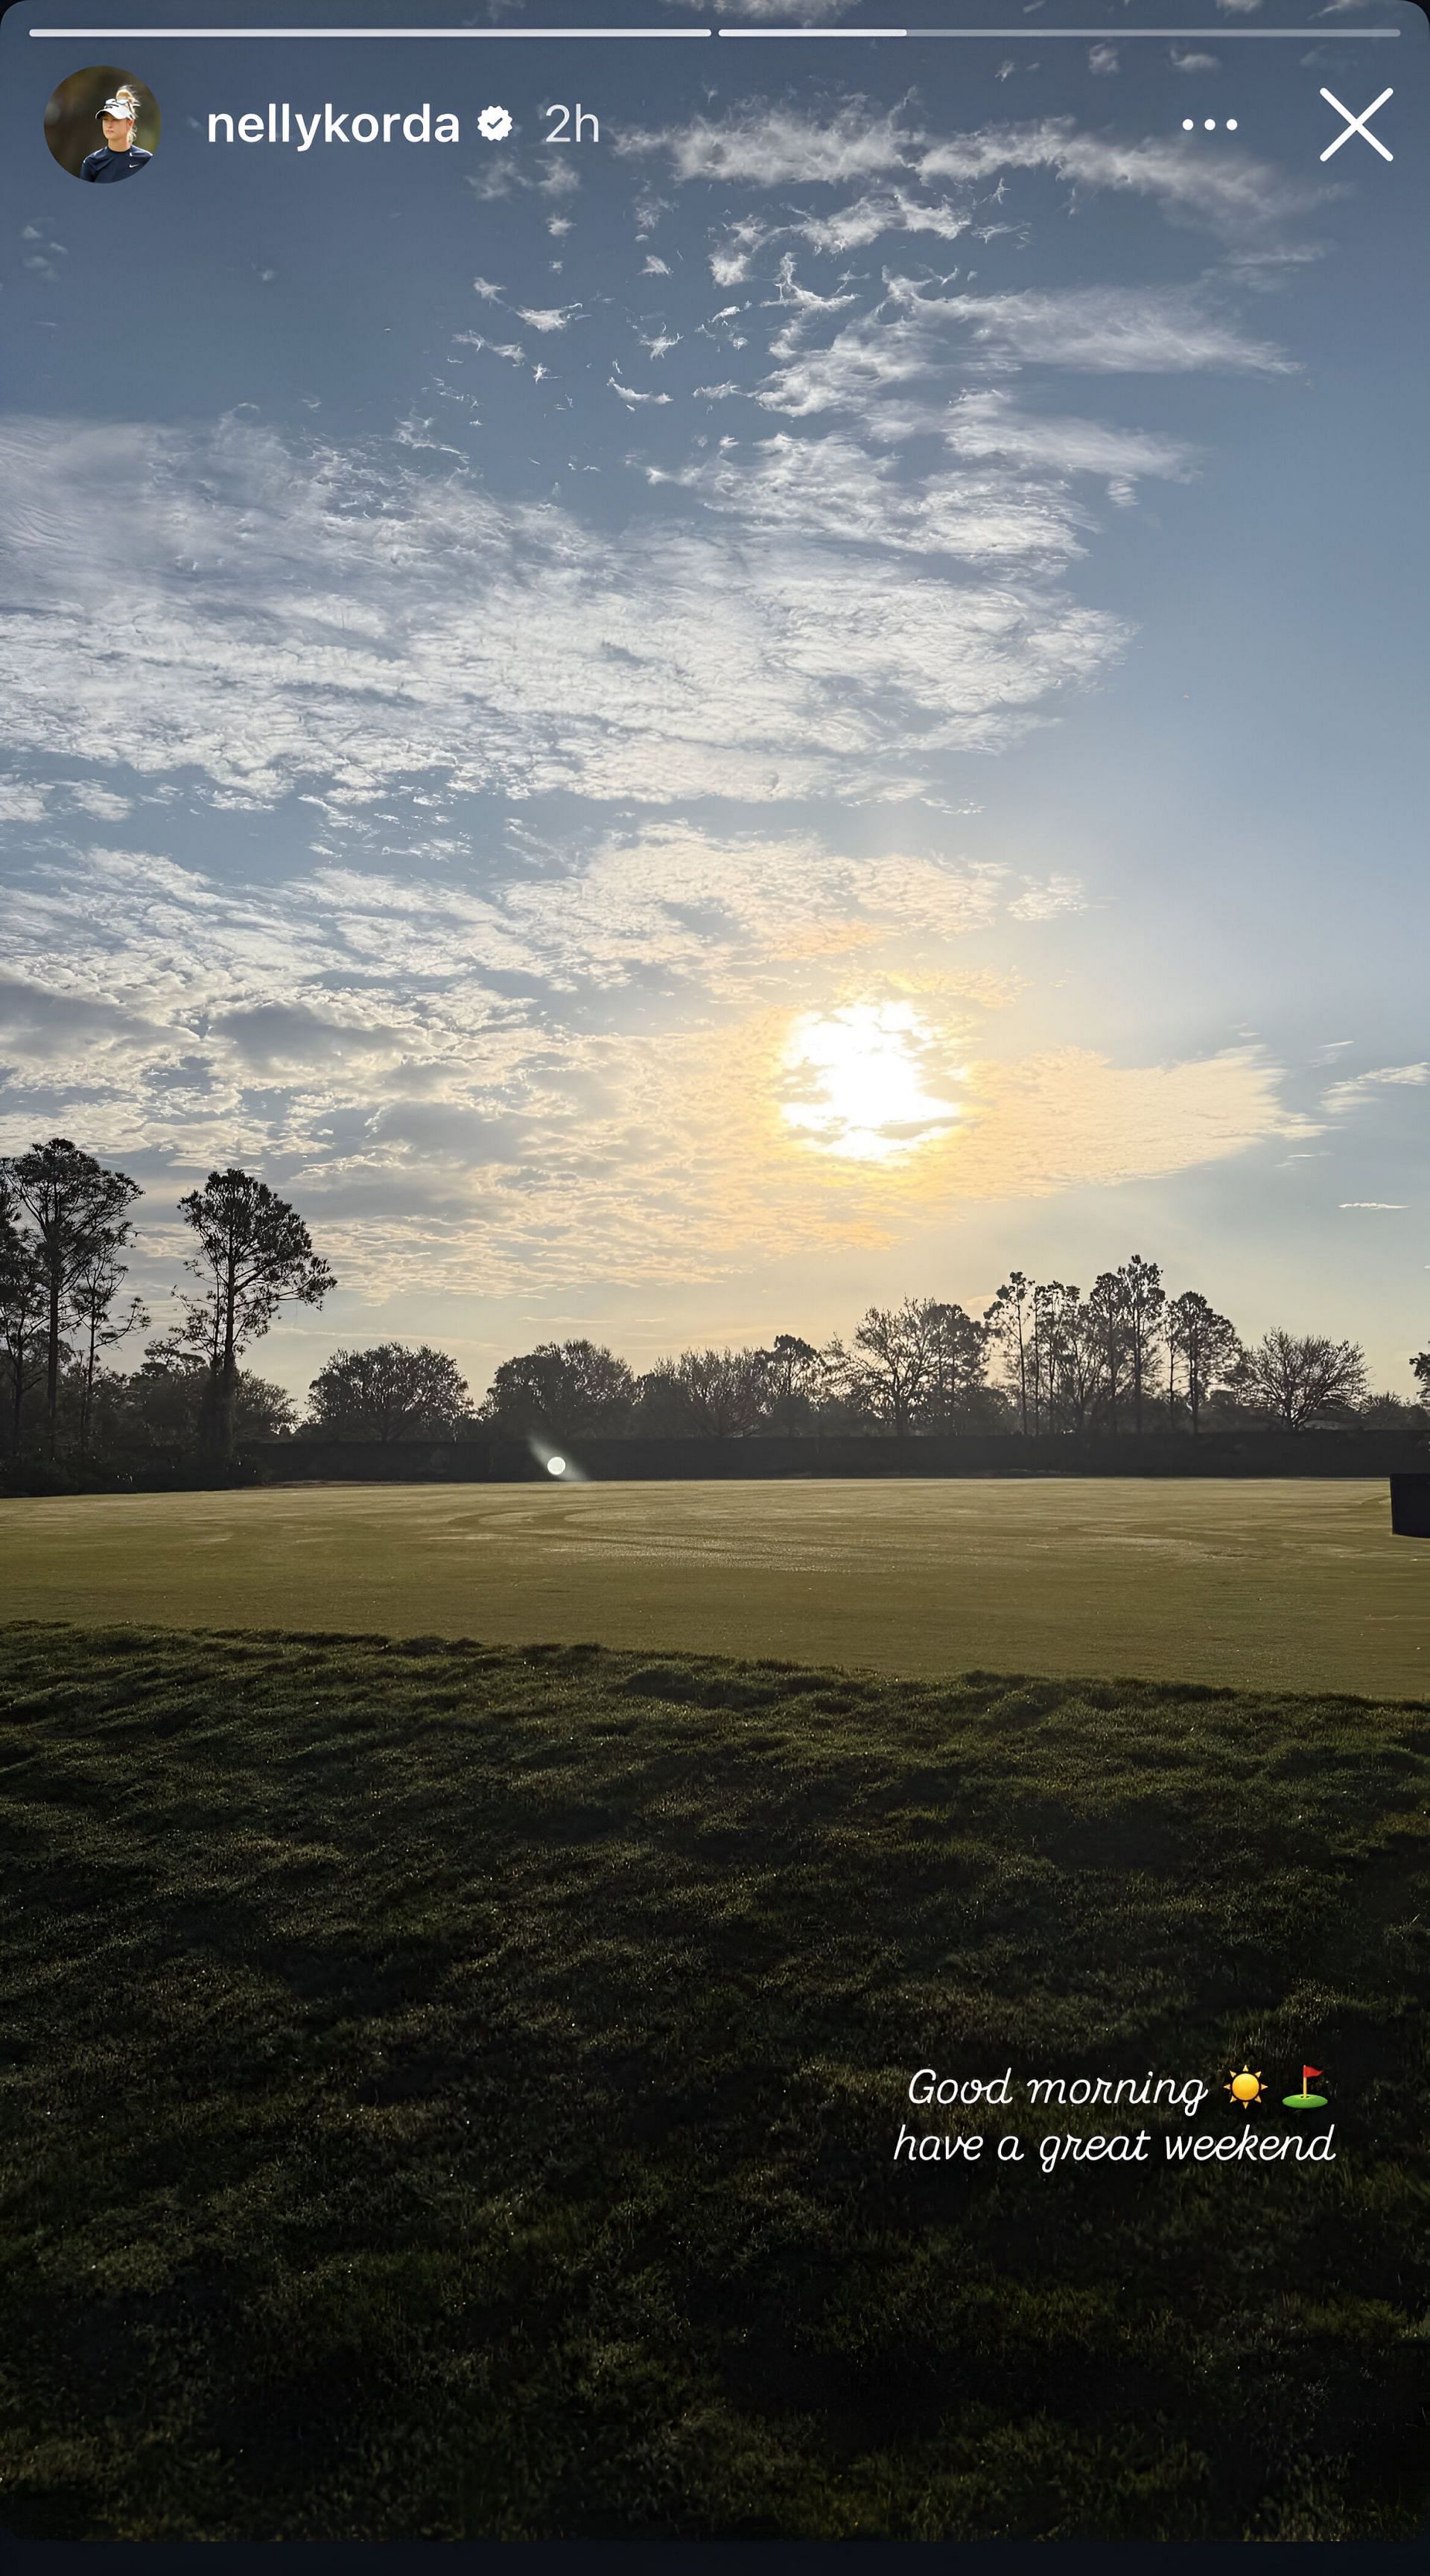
(1245, 2088)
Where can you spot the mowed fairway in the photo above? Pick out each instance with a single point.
(1277, 1584)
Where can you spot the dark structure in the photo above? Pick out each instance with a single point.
(1410, 1506)
(481, 1460)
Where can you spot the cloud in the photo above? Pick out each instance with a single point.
(767, 147)
(810, 11)
(1070, 1118)
(1235, 195)
(367, 621)
(871, 366)
(68, 1027)
(580, 1060)
(1386, 1207)
(22, 801)
(890, 367)
(102, 802)
(1357, 1093)
(551, 317)
(631, 396)
(831, 487)
(764, 147)
(866, 219)
(1102, 330)
(1043, 899)
(989, 423)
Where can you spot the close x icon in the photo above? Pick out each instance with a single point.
(1358, 124)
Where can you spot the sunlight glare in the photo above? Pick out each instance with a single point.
(859, 1075)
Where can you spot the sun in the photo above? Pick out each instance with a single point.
(858, 1082)
(1245, 2088)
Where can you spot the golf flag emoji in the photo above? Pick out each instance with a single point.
(1306, 2100)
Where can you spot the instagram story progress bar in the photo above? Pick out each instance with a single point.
(404, 35)
(729, 35)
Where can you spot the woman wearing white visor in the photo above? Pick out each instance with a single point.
(120, 156)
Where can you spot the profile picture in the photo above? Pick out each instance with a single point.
(102, 124)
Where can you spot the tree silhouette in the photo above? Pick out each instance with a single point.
(22, 1302)
(1007, 1320)
(1144, 1301)
(255, 1254)
(561, 1390)
(889, 1368)
(389, 1392)
(73, 1206)
(1294, 1378)
(1205, 1343)
(93, 1290)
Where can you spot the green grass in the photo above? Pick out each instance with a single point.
(1290, 1584)
(450, 2091)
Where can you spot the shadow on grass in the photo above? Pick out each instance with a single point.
(452, 2092)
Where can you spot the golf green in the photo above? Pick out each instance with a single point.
(1293, 1584)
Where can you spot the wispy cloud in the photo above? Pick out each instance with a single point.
(831, 487)
(768, 147)
(865, 219)
(810, 11)
(764, 147)
(989, 423)
(1360, 1089)
(1043, 899)
(549, 317)
(1102, 330)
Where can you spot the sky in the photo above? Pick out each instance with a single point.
(807, 699)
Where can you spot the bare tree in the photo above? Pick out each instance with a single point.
(1063, 1356)
(1144, 1301)
(1207, 1346)
(795, 1374)
(725, 1392)
(70, 1202)
(1076, 1351)
(1007, 1320)
(957, 1348)
(94, 1288)
(22, 1303)
(889, 1365)
(1293, 1379)
(1107, 1306)
(255, 1254)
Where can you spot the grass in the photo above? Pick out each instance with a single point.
(1291, 1584)
(451, 2090)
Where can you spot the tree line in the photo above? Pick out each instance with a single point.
(66, 1231)
(1044, 1357)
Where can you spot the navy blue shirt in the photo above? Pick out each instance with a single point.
(105, 164)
